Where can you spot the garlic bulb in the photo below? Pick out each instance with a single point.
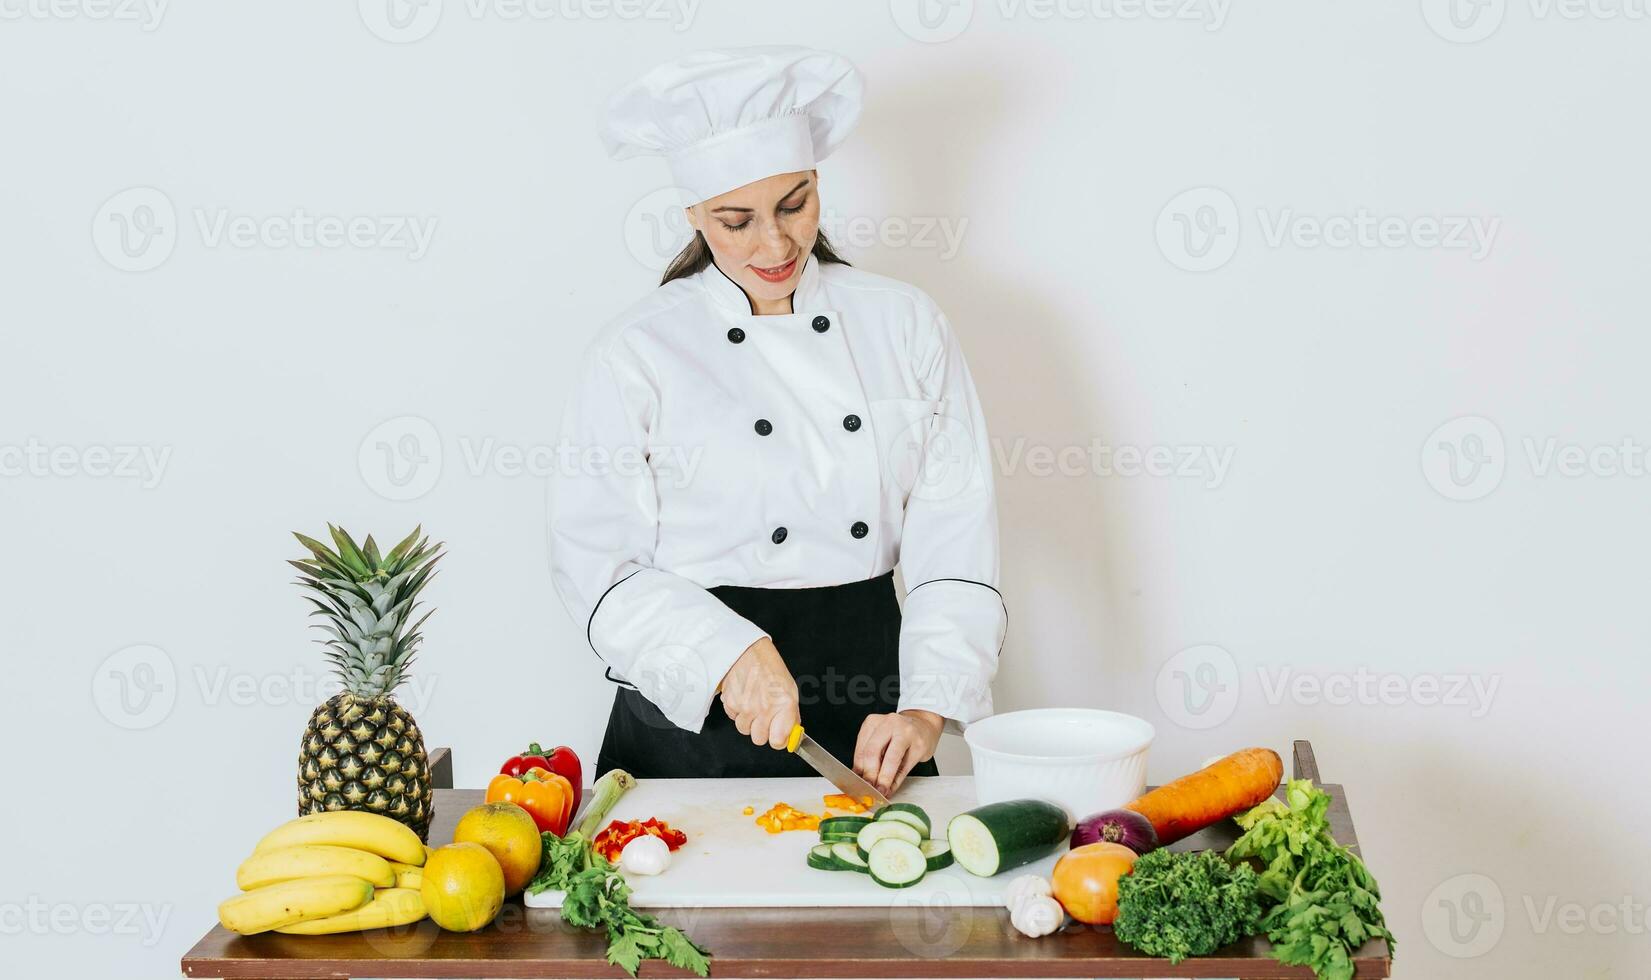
(1026, 886)
(1037, 915)
(645, 855)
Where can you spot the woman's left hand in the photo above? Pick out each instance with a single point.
(890, 745)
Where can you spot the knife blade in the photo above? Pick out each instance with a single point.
(823, 762)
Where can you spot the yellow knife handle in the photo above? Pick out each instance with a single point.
(794, 739)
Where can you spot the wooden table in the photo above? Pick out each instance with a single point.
(945, 941)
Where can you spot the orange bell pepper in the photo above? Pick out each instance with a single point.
(783, 816)
(545, 795)
(843, 801)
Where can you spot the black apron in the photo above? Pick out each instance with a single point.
(840, 642)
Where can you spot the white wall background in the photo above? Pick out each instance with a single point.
(1051, 142)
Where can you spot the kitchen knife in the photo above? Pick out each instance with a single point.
(845, 779)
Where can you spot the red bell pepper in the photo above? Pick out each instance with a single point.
(560, 760)
(531, 757)
(564, 762)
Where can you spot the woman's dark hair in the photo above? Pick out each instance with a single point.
(697, 256)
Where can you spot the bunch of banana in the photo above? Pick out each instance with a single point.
(340, 871)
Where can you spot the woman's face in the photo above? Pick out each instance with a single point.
(761, 234)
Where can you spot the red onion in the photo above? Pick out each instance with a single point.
(1124, 827)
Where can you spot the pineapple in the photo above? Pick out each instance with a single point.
(362, 750)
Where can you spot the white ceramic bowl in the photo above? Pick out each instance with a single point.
(1082, 759)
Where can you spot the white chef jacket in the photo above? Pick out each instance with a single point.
(710, 446)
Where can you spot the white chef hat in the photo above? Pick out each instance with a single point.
(727, 117)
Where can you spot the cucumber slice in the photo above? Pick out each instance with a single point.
(878, 830)
(908, 812)
(896, 863)
(846, 825)
(993, 838)
(819, 856)
(836, 836)
(847, 858)
(937, 853)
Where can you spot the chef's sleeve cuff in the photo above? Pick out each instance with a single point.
(716, 653)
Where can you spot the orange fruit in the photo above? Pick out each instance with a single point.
(510, 835)
(463, 888)
(1085, 881)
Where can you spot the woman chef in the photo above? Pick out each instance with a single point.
(759, 441)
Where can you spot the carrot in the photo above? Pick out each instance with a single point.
(1220, 790)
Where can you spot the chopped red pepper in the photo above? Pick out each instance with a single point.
(613, 838)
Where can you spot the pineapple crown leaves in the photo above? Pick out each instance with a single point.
(367, 601)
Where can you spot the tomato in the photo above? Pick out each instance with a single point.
(1085, 881)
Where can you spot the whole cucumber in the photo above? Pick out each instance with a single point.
(994, 838)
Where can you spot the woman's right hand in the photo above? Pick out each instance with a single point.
(760, 695)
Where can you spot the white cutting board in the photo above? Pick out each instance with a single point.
(730, 861)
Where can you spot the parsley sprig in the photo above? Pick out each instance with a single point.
(1325, 903)
(1186, 903)
(598, 897)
